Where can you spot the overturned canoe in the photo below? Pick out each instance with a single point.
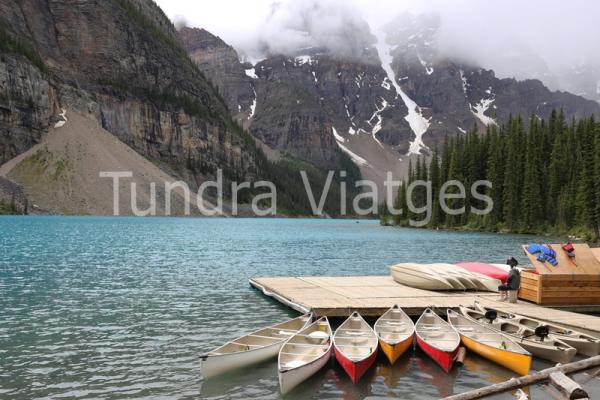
(548, 348)
(395, 331)
(304, 354)
(491, 344)
(252, 348)
(585, 344)
(438, 339)
(488, 270)
(466, 279)
(355, 345)
(459, 278)
(419, 276)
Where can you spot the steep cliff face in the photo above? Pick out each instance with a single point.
(221, 65)
(120, 61)
(27, 103)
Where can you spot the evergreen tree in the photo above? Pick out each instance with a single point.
(545, 176)
(530, 201)
(434, 178)
(495, 174)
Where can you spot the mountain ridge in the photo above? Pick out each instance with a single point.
(407, 105)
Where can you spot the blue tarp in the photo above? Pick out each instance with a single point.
(545, 253)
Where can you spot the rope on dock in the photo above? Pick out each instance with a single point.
(527, 380)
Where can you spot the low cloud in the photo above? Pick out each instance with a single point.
(333, 25)
(555, 32)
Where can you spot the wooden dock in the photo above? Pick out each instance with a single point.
(372, 295)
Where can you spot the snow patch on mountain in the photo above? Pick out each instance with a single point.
(315, 77)
(386, 83)
(253, 105)
(337, 136)
(418, 123)
(301, 60)
(63, 115)
(379, 124)
(465, 84)
(358, 160)
(428, 69)
(359, 79)
(479, 111)
(251, 72)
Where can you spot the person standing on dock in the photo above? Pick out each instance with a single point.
(513, 282)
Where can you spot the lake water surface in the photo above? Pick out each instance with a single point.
(120, 308)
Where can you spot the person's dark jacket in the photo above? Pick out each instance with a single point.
(514, 279)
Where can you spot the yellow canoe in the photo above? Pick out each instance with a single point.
(395, 331)
(491, 344)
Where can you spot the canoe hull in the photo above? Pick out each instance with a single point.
(541, 351)
(355, 370)
(485, 269)
(519, 363)
(212, 365)
(288, 380)
(444, 359)
(420, 277)
(394, 351)
(588, 347)
(582, 346)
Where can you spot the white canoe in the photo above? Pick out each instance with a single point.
(550, 348)
(304, 354)
(255, 347)
(419, 276)
(471, 280)
(451, 271)
(585, 344)
(487, 283)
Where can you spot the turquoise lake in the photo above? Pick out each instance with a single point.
(120, 308)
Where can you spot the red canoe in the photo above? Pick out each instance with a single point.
(355, 346)
(485, 269)
(438, 339)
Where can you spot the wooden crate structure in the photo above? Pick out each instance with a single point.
(572, 282)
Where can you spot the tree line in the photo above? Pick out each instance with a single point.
(544, 175)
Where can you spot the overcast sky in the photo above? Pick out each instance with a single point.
(561, 32)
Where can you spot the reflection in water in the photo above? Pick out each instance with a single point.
(431, 373)
(489, 371)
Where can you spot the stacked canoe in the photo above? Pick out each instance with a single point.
(441, 276)
(305, 346)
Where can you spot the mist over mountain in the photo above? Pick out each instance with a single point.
(382, 96)
(536, 39)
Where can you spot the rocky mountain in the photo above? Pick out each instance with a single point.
(122, 64)
(396, 96)
(120, 61)
(221, 65)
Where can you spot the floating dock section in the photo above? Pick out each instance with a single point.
(373, 295)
